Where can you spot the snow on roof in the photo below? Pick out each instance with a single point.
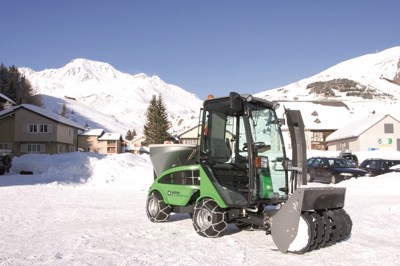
(179, 134)
(110, 136)
(6, 98)
(43, 112)
(355, 128)
(318, 115)
(93, 132)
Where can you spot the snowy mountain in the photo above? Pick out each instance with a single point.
(97, 94)
(368, 77)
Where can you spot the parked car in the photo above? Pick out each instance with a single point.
(5, 161)
(378, 166)
(331, 170)
(348, 155)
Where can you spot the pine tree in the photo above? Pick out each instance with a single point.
(128, 135)
(16, 87)
(156, 126)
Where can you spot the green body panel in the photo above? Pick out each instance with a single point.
(181, 194)
(172, 193)
(266, 188)
(208, 190)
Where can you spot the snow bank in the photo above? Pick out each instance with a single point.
(82, 168)
(89, 209)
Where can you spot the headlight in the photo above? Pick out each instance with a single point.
(261, 162)
(346, 174)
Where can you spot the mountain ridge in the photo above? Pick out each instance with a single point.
(101, 87)
(378, 71)
(97, 94)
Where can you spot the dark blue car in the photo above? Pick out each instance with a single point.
(331, 170)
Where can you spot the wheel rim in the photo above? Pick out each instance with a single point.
(333, 179)
(153, 206)
(308, 177)
(204, 219)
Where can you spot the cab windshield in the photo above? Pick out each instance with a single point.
(231, 141)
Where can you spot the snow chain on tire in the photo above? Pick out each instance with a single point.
(209, 220)
(156, 209)
(326, 228)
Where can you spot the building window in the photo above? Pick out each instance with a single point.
(111, 150)
(38, 128)
(111, 141)
(43, 128)
(60, 148)
(388, 128)
(34, 148)
(189, 141)
(32, 128)
(5, 146)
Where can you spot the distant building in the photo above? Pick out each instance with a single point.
(317, 118)
(378, 132)
(4, 98)
(135, 145)
(5, 102)
(111, 142)
(99, 141)
(189, 136)
(88, 140)
(28, 128)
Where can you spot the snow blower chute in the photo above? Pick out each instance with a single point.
(239, 173)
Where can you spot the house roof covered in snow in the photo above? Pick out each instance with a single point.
(317, 115)
(93, 132)
(110, 136)
(356, 128)
(43, 112)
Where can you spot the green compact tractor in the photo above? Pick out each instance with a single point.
(239, 173)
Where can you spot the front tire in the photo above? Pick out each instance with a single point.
(209, 220)
(156, 209)
(309, 178)
(334, 179)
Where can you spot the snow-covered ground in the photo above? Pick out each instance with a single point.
(89, 209)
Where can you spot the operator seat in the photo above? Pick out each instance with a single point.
(220, 150)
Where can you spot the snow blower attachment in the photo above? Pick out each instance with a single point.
(239, 173)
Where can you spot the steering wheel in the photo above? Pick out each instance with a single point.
(257, 145)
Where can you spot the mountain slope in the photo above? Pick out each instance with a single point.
(87, 86)
(98, 95)
(372, 76)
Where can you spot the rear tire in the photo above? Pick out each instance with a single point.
(209, 220)
(156, 209)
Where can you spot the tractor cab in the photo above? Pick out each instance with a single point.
(242, 150)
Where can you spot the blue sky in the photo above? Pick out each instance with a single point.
(209, 46)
